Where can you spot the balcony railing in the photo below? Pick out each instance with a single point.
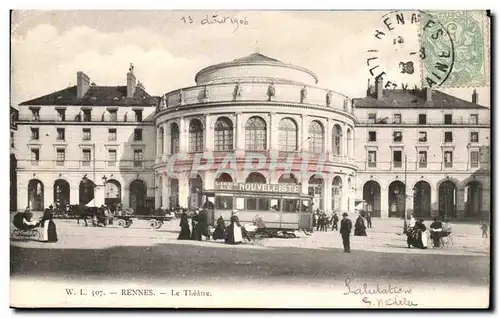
(422, 164)
(397, 164)
(372, 165)
(387, 166)
(84, 164)
(255, 92)
(429, 122)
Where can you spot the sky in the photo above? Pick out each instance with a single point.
(49, 47)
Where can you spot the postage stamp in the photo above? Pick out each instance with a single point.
(467, 50)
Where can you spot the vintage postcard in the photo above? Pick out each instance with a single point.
(250, 159)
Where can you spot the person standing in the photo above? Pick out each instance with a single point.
(220, 229)
(359, 226)
(484, 228)
(345, 232)
(335, 222)
(48, 227)
(195, 234)
(185, 233)
(235, 231)
(436, 229)
(369, 220)
(203, 224)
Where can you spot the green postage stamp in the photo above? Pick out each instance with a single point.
(455, 48)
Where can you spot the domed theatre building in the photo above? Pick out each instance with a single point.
(255, 120)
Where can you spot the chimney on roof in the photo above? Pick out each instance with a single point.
(131, 82)
(379, 88)
(428, 94)
(475, 96)
(82, 84)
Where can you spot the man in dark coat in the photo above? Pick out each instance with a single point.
(335, 222)
(203, 224)
(369, 220)
(220, 229)
(345, 232)
(195, 233)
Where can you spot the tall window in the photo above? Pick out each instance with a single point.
(60, 134)
(138, 115)
(111, 157)
(448, 159)
(86, 134)
(372, 159)
(422, 159)
(35, 133)
(422, 119)
(422, 136)
(397, 158)
(223, 134)
(473, 119)
(113, 115)
(35, 114)
(474, 136)
(337, 139)
(372, 118)
(316, 137)
(138, 156)
(137, 134)
(61, 157)
(372, 136)
(61, 114)
(448, 136)
(87, 115)
(288, 135)
(174, 138)
(398, 136)
(447, 119)
(255, 134)
(35, 156)
(474, 159)
(195, 136)
(112, 134)
(86, 154)
(397, 119)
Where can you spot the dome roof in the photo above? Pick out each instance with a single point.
(255, 67)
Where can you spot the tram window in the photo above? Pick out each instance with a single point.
(263, 204)
(290, 205)
(251, 204)
(306, 205)
(224, 203)
(240, 203)
(275, 205)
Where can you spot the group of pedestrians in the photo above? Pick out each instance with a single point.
(234, 233)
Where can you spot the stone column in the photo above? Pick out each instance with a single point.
(166, 192)
(460, 203)
(183, 135)
(22, 197)
(157, 142)
(239, 133)
(271, 132)
(303, 146)
(125, 197)
(183, 189)
(208, 134)
(166, 141)
(328, 136)
(343, 150)
(158, 193)
(384, 203)
(327, 195)
(74, 195)
(48, 196)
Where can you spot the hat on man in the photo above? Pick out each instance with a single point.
(235, 212)
(344, 214)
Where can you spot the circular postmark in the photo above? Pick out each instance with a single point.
(411, 48)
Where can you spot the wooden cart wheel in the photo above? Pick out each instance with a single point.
(121, 223)
(153, 223)
(159, 224)
(128, 224)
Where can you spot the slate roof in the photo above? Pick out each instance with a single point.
(410, 98)
(96, 96)
(256, 57)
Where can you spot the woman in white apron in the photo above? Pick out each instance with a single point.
(48, 228)
(235, 230)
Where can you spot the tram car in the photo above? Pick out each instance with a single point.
(282, 207)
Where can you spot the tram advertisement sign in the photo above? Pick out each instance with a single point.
(258, 187)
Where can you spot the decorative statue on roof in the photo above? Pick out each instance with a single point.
(353, 107)
(329, 98)
(206, 93)
(237, 91)
(271, 91)
(163, 101)
(181, 97)
(347, 102)
(303, 94)
(131, 68)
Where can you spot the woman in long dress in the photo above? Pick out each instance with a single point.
(234, 230)
(360, 227)
(195, 233)
(48, 228)
(220, 229)
(185, 233)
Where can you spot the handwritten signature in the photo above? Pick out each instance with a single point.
(397, 296)
(217, 19)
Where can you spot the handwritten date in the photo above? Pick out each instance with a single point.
(216, 19)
